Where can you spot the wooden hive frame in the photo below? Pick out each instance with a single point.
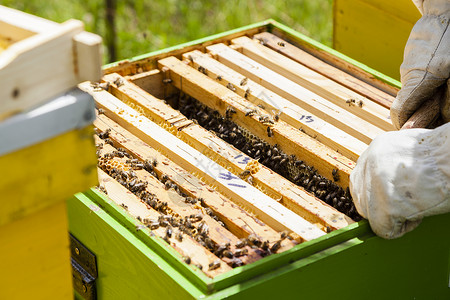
(131, 98)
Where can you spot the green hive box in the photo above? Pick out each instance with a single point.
(349, 263)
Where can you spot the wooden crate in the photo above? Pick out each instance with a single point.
(160, 167)
(40, 59)
(46, 151)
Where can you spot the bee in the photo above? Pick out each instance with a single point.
(265, 245)
(350, 102)
(203, 228)
(360, 103)
(276, 117)
(229, 112)
(203, 70)
(269, 131)
(241, 243)
(101, 111)
(169, 231)
(328, 229)
(214, 265)
(167, 80)
(118, 82)
(250, 180)
(243, 81)
(191, 58)
(196, 217)
(179, 236)
(247, 93)
(164, 178)
(275, 247)
(187, 260)
(245, 173)
(236, 262)
(284, 234)
(281, 44)
(231, 87)
(262, 41)
(335, 174)
(228, 254)
(261, 106)
(252, 239)
(250, 112)
(199, 266)
(124, 206)
(153, 225)
(240, 252)
(154, 162)
(219, 77)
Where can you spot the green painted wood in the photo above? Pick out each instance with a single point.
(415, 266)
(237, 275)
(157, 244)
(128, 269)
(192, 43)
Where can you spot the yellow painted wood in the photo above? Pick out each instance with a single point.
(41, 175)
(35, 256)
(374, 32)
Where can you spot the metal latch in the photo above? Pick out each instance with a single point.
(84, 269)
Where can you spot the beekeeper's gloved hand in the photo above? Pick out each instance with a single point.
(426, 64)
(402, 177)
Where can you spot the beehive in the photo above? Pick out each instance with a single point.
(228, 158)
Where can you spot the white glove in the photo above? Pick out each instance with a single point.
(426, 63)
(402, 177)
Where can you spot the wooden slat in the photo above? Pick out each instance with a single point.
(151, 81)
(293, 197)
(292, 114)
(217, 233)
(187, 247)
(295, 93)
(237, 220)
(289, 139)
(338, 94)
(369, 77)
(266, 209)
(326, 69)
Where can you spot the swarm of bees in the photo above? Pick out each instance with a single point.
(270, 156)
(120, 165)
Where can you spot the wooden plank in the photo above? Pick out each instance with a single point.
(135, 207)
(293, 196)
(288, 138)
(265, 208)
(326, 69)
(237, 220)
(45, 65)
(88, 58)
(358, 105)
(343, 63)
(152, 82)
(217, 233)
(295, 93)
(292, 114)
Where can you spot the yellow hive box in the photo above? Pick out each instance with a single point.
(47, 151)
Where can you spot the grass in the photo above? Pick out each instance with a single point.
(147, 25)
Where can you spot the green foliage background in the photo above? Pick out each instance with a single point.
(147, 25)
